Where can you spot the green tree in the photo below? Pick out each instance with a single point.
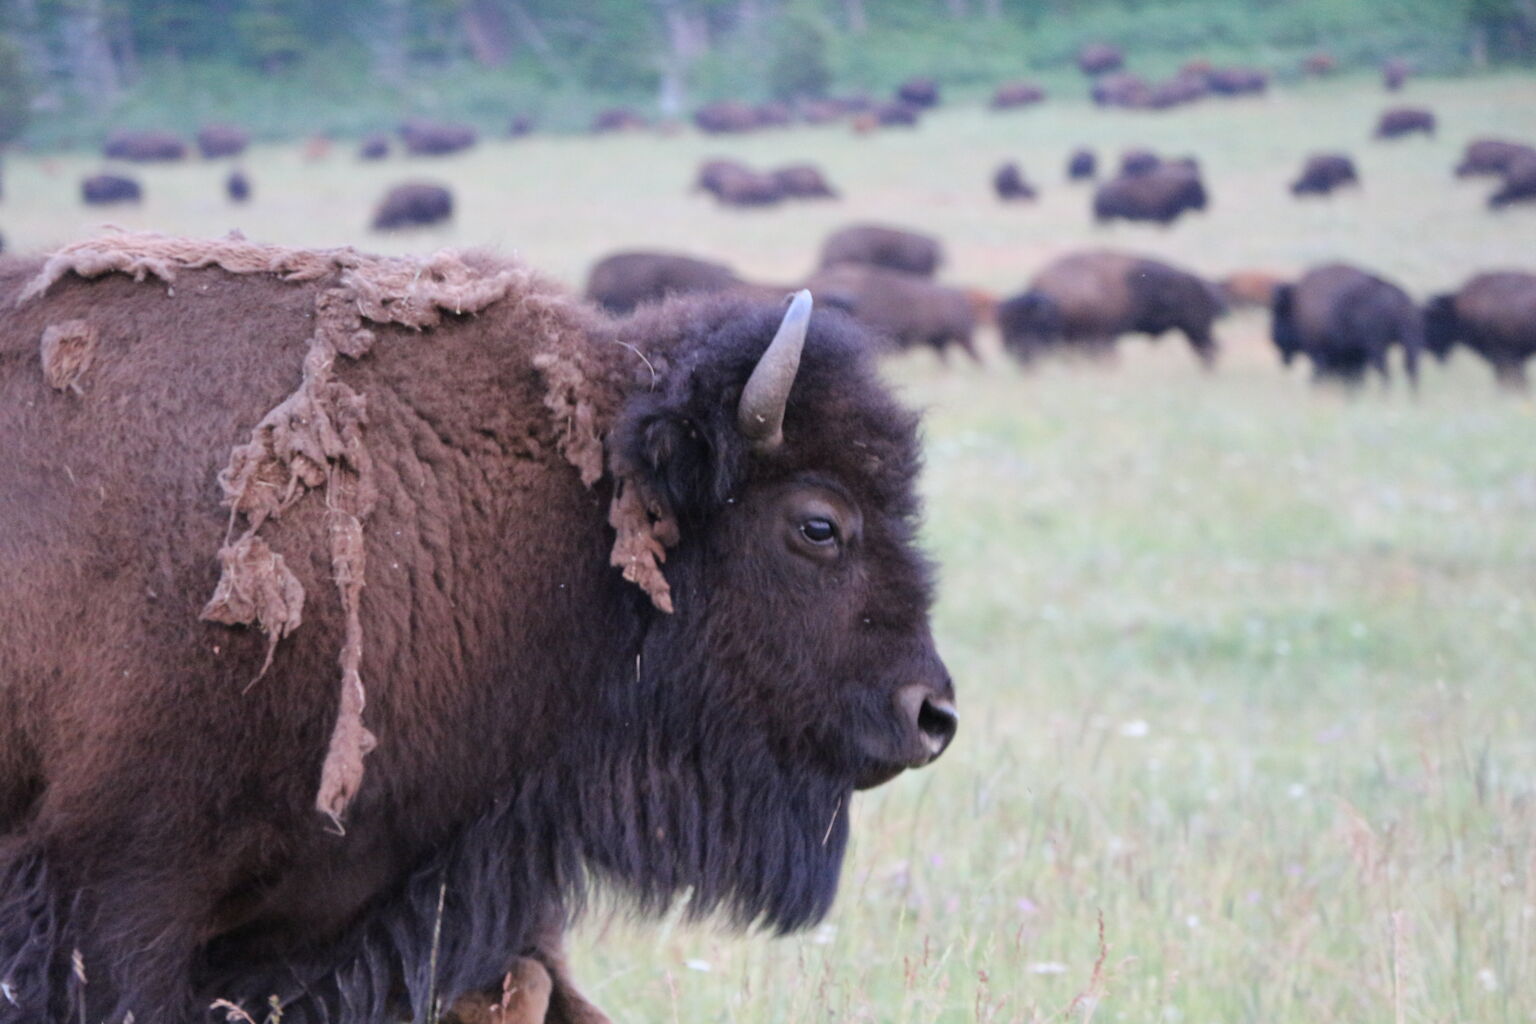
(15, 92)
(799, 66)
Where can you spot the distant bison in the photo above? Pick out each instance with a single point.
(1121, 90)
(1494, 315)
(1519, 183)
(144, 147)
(1491, 156)
(414, 204)
(237, 186)
(1161, 195)
(433, 138)
(1400, 121)
(519, 126)
(1099, 58)
(100, 189)
(1082, 165)
(919, 92)
(803, 181)
(621, 282)
(1345, 321)
(726, 116)
(910, 311)
(1016, 94)
(1395, 72)
(896, 114)
(1237, 81)
(735, 184)
(1324, 172)
(617, 119)
(1008, 182)
(373, 147)
(1136, 162)
(880, 246)
(1085, 301)
(218, 140)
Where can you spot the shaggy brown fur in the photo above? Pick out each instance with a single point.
(906, 309)
(1162, 194)
(1493, 314)
(1400, 121)
(1345, 321)
(624, 280)
(407, 469)
(881, 246)
(216, 140)
(1491, 156)
(1324, 172)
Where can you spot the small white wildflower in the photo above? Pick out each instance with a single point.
(698, 965)
(1135, 729)
(1296, 790)
(1048, 967)
(1488, 980)
(824, 934)
(1193, 920)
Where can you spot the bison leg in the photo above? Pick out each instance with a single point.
(1204, 346)
(1510, 373)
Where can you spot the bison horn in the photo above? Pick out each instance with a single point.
(761, 413)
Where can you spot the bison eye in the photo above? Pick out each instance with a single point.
(819, 531)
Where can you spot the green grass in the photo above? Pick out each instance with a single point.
(1245, 669)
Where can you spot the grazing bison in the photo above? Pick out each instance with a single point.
(1008, 182)
(918, 92)
(1395, 72)
(144, 147)
(414, 204)
(1237, 81)
(1494, 314)
(1161, 195)
(1121, 90)
(100, 189)
(625, 280)
(1136, 162)
(908, 311)
(433, 138)
(1324, 172)
(617, 119)
(1099, 58)
(1010, 95)
(896, 114)
(803, 181)
(633, 603)
(1082, 165)
(1399, 121)
(1083, 302)
(219, 140)
(237, 186)
(880, 246)
(1345, 320)
(374, 147)
(1519, 183)
(735, 185)
(726, 116)
(1491, 156)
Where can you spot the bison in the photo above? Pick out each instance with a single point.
(1494, 314)
(1395, 72)
(1008, 182)
(1237, 81)
(908, 311)
(1519, 183)
(726, 116)
(896, 114)
(1136, 162)
(617, 119)
(1083, 302)
(918, 92)
(520, 126)
(144, 147)
(735, 184)
(219, 140)
(433, 138)
(881, 246)
(621, 282)
(1011, 95)
(1491, 156)
(1324, 172)
(414, 204)
(802, 181)
(1396, 122)
(1345, 320)
(1099, 58)
(1121, 90)
(373, 147)
(643, 609)
(237, 186)
(1082, 165)
(100, 189)
(1161, 195)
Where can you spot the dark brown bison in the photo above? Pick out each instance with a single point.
(1319, 65)
(237, 186)
(1082, 165)
(1324, 172)
(919, 92)
(373, 147)
(1121, 90)
(100, 189)
(414, 204)
(1494, 315)
(218, 140)
(625, 280)
(1182, 88)
(803, 181)
(1083, 302)
(1161, 195)
(434, 138)
(735, 185)
(909, 311)
(726, 116)
(1009, 184)
(813, 111)
(1395, 72)
(1519, 183)
(617, 119)
(1011, 95)
(896, 114)
(1237, 81)
(774, 115)
(1345, 320)
(881, 246)
(1399, 121)
(661, 569)
(1099, 58)
(144, 147)
(1136, 162)
(1491, 156)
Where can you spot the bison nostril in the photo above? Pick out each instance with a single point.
(937, 719)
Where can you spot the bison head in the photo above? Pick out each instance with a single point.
(1441, 326)
(1283, 329)
(796, 664)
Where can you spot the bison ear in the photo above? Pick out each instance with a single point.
(688, 462)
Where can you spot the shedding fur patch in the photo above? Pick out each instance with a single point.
(68, 349)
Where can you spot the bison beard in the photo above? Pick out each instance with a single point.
(545, 729)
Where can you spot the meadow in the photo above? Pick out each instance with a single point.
(1247, 670)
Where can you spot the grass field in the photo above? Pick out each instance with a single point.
(1247, 671)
